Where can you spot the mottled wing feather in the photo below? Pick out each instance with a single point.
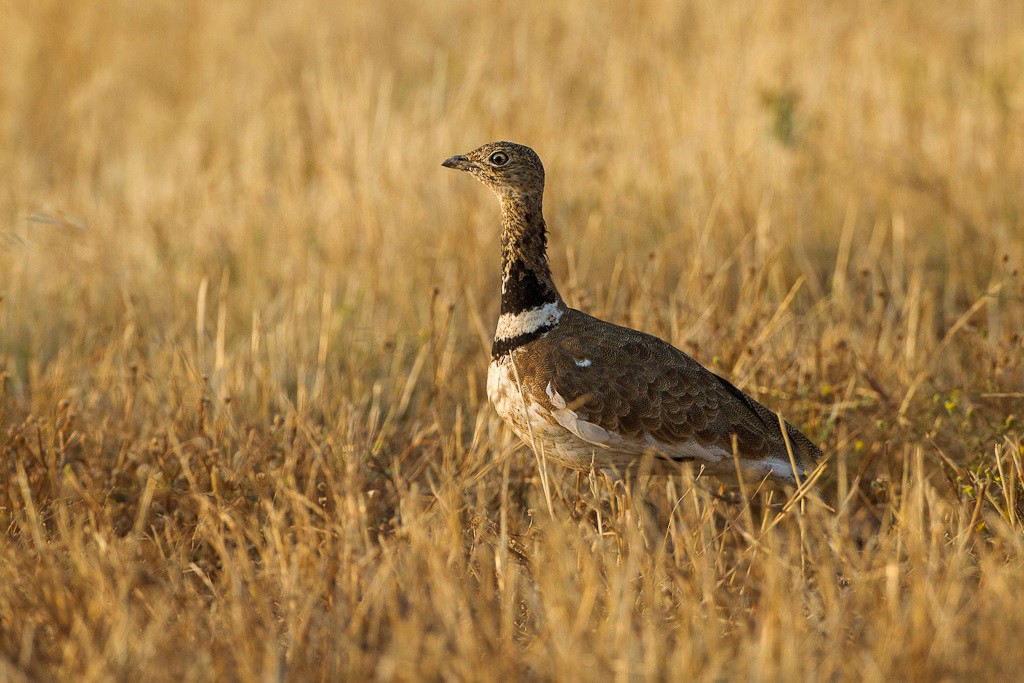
(803, 448)
(639, 387)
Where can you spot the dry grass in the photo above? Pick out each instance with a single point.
(245, 321)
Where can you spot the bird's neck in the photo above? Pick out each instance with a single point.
(525, 276)
(530, 302)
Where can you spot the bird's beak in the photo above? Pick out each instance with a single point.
(459, 162)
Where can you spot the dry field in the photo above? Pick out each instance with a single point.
(245, 319)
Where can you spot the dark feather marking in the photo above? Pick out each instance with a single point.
(524, 291)
(681, 458)
(501, 347)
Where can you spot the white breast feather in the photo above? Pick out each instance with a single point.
(512, 325)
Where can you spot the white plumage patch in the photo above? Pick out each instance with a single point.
(513, 325)
(584, 363)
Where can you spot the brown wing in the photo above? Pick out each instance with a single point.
(637, 385)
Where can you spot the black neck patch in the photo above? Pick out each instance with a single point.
(523, 290)
(503, 347)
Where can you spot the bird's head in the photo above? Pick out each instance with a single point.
(510, 170)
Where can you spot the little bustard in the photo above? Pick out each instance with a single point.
(593, 394)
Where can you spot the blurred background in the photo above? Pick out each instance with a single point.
(283, 151)
(225, 225)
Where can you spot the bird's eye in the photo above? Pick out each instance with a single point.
(499, 159)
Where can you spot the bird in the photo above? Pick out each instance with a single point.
(589, 394)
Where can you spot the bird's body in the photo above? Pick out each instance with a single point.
(593, 394)
(586, 393)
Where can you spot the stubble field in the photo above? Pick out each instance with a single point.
(245, 318)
